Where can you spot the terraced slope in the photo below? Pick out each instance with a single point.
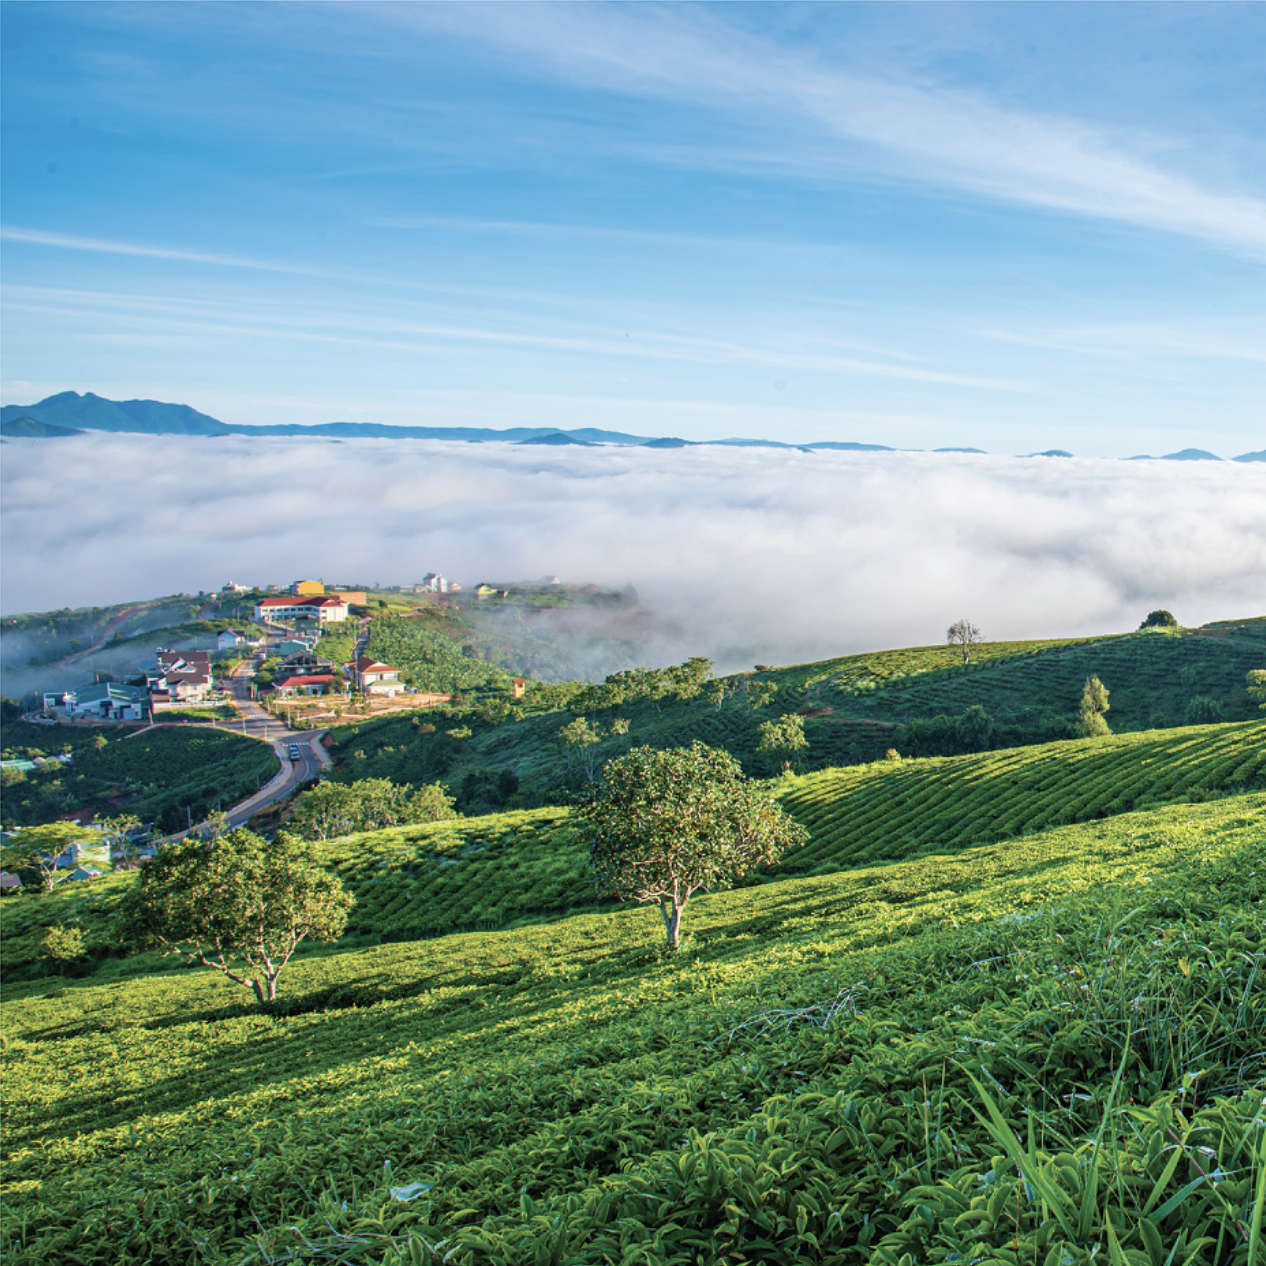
(1153, 676)
(487, 872)
(569, 1094)
(891, 810)
(854, 707)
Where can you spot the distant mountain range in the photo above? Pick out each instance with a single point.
(69, 413)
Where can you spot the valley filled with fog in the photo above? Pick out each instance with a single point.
(740, 554)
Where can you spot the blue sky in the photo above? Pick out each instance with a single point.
(1015, 227)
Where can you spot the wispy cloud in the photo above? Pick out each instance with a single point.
(917, 131)
(102, 246)
(359, 328)
(1136, 340)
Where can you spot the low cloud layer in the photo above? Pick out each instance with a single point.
(743, 555)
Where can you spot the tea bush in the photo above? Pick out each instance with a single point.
(1046, 1050)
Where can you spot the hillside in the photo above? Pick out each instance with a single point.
(490, 871)
(854, 708)
(167, 776)
(796, 1087)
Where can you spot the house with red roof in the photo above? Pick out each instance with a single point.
(313, 684)
(323, 608)
(373, 677)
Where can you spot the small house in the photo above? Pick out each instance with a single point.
(316, 684)
(9, 881)
(373, 677)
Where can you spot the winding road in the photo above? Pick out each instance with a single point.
(310, 759)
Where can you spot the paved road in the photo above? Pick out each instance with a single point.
(308, 755)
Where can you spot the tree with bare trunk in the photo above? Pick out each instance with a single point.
(235, 903)
(662, 825)
(963, 634)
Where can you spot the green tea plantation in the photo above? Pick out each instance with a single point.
(1045, 1050)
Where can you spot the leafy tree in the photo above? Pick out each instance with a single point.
(1256, 685)
(237, 904)
(331, 809)
(662, 825)
(760, 694)
(963, 634)
(582, 739)
(974, 730)
(213, 825)
(786, 734)
(1203, 710)
(717, 692)
(1159, 620)
(37, 848)
(117, 831)
(1094, 703)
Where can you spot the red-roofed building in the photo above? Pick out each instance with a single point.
(373, 677)
(314, 685)
(323, 608)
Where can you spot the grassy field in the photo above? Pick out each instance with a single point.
(1046, 1050)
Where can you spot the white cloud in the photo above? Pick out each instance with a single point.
(746, 555)
(946, 137)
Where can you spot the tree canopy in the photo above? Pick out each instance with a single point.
(37, 848)
(661, 825)
(1159, 619)
(1094, 703)
(236, 903)
(331, 809)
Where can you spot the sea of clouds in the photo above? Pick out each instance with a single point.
(745, 555)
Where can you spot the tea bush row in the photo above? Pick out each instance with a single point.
(567, 1093)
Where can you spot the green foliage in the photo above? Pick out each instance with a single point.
(1094, 703)
(36, 849)
(663, 825)
(427, 650)
(1203, 710)
(331, 809)
(235, 903)
(1159, 620)
(1256, 687)
(811, 1083)
(157, 775)
(786, 734)
(64, 945)
(862, 814)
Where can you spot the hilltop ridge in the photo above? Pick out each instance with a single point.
(90, 412)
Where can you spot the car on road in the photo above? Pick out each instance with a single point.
(293, 750)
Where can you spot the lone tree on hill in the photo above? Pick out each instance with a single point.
(1094, 703)
(1159, 620)
(237, 904)
(963, 634)
(662, 825)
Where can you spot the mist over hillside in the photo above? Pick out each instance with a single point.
(742, 554)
